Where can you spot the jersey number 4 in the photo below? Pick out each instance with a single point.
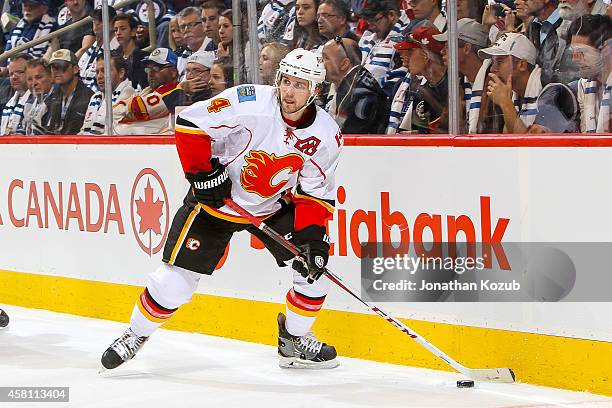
(217, 104)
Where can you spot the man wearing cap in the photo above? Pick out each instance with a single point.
(515, 82)
(67, 103)
(35, 23)
(197, 75)
(472, 37)
(95, 117)
(358, 103)
(423, 104)
(385, 23)
(149, 110)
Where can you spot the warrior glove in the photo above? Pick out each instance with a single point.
(211, 187)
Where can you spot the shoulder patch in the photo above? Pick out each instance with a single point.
(246, 93)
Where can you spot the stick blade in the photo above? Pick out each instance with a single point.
(498, 375)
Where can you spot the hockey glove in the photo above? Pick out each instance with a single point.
(211, 187)
(312, 240)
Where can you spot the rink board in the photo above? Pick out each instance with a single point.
(70, 231)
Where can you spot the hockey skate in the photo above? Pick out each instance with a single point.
(4, 319)
(303, 351)
(122, 349)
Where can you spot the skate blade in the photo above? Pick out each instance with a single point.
(294, 362)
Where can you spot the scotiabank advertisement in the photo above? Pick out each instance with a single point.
(103, 212)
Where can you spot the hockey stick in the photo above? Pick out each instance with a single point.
(501, 375)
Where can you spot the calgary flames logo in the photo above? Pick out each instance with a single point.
(262, 174)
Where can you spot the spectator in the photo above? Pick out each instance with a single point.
(14, 111)
(358, 104)
(472, 37)
(79, 39)
(557, 111)
(142, 35)
(87, 63)
(332, 19)
(149, 110)
(175, 37)
(269, 59)
(423, 54)
(546, 35)
(570, 10)
(274, 19)
(211, 10)
(39, 75)
(190, 23)
(95, 117)
(470, 9)
(125, 32)
(303, 31)
(591, 52)
(385, 23)
(226, 36)
(35, 23)
(197, 76)
(429, 10)
(67, 103)
(514, 69)
(221, 77)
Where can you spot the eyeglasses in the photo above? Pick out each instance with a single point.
(63, 67)
(189, 26)
(196, 72)
(339, 41)
(157, 68)
(326, 16)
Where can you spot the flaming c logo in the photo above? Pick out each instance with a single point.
(262, 173)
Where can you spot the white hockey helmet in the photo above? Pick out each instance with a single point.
(303, 64)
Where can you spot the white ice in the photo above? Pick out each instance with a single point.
(177, 370)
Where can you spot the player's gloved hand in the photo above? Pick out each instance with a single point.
(211, 187)
(312, 240)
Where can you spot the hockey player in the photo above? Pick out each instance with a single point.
(274, 153)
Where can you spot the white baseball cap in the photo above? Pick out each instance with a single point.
(204, 58)
(514, 44)
(470, 31)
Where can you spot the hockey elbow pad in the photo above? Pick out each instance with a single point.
(211, 187)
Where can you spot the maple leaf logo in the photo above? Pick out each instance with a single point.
(149, 212)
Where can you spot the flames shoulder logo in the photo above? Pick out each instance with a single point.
(263, 172)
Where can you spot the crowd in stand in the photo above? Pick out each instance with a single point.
(526, 66)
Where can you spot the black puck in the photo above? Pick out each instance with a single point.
(4, 319)
(465, 384)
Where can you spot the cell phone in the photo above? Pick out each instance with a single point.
(498, 10)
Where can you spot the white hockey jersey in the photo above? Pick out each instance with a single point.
(264, 156)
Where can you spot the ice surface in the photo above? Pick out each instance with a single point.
(176, 370)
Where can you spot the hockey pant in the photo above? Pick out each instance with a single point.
(196, 243)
